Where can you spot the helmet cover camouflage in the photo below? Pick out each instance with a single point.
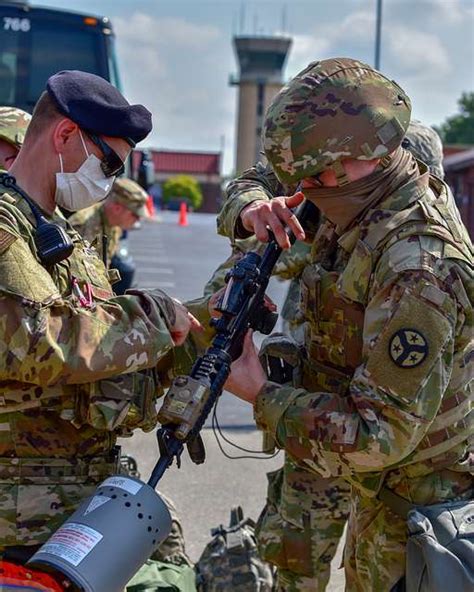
(131, 195)
(334, 109)
(425, 144)
(13, 124)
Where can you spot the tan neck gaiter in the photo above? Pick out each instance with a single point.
(343, 205)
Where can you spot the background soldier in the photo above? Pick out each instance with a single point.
(105, 222)
(69, 345)
(13, 124)
(356, 346)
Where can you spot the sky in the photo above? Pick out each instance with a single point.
(175, 57)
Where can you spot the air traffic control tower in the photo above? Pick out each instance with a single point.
(261, 61)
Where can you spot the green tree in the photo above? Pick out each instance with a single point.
(183, 187)
(459, 129)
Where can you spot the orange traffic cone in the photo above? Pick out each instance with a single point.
(183, 214)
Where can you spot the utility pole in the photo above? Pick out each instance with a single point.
(378, 34)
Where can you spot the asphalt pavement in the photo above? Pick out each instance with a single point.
(180, 260)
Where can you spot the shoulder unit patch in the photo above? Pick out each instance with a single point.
(408, 348)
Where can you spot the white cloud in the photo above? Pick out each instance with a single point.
(417, 53)
(448, 11)
(177, 69)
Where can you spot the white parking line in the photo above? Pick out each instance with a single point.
(149, 258)
(148, 284)
(145, 269)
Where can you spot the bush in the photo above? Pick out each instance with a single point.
(185, 188)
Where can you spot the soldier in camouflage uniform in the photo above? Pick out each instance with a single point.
(426, 145)
(79, 365)
(122, 209)
(296, 495)
(386, 307)
(13, 124)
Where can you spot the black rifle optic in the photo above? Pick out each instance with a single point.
(191, 398)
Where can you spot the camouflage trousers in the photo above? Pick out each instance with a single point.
(374, 555)
(301, 525)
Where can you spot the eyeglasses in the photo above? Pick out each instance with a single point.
(111, 164)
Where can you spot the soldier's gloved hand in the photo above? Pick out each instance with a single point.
(176, 316)
(275, 214)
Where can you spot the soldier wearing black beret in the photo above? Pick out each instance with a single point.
(65, 334)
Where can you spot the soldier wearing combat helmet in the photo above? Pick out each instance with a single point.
(295, 492)
(13, 124)
(123, 208)
(386, 310)
(425, 145)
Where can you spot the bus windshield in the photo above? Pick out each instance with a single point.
(35, 44)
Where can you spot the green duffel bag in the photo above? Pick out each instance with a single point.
(158, 576)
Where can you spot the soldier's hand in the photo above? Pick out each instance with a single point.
(275, 214)
(247, 376)
(183, 324)
(215, 298)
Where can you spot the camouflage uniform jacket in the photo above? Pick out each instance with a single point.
(92, 225)
(71, 355)
(389, 320)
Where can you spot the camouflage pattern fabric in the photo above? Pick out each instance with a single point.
(131, 195)
(388, 326)
(63, 332)
(257, 184)
(425, 145)
(91, 223)
(332, 110)
(301, 525)
(295, 497)
(13, 125)
(230, 560)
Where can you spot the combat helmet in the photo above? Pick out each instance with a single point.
(131, 195)
(334, 109)
(425, 144)
(13, 124)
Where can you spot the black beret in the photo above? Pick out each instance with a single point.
(97, 106)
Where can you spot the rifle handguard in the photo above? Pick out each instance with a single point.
(183, 404)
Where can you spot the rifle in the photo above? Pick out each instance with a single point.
(191, 398)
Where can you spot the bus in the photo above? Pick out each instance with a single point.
(37, 42)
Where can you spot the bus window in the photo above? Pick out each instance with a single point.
(113, 67)
(56, 49)
(9, 56)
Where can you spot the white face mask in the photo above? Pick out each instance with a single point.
(84, 188)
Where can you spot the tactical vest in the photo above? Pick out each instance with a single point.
(336, 288)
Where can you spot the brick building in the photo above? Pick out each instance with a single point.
(205, 167)
(459, 170)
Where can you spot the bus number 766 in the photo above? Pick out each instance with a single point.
(22, 25)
